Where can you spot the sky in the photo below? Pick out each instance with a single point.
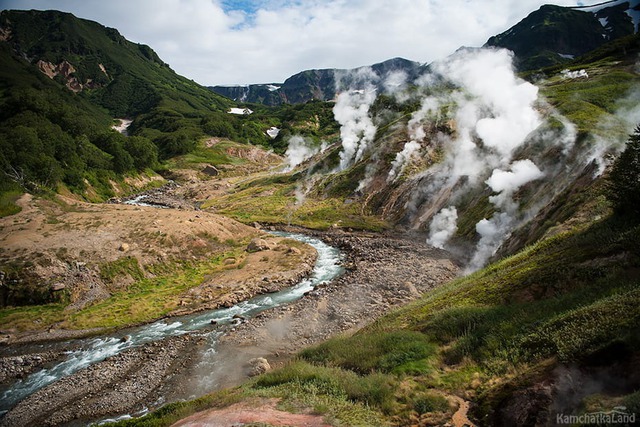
(224, 42)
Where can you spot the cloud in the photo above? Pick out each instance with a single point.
(259, 41)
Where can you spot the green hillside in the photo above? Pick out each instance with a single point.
(64, 80)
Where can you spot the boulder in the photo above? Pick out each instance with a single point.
(58, 287)
(210, 170)
(258, 366)
(257, 244)
(124, 247)
(294, 251)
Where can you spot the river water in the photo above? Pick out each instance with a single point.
(90, 351)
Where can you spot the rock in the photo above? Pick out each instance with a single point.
(237, 316)
(294, 251)
(258, 366)
(257, 244)
(210, 170)
(125, 338)
(229, 261)
(214, 322)
(124, 247)
(58, 287)
(5, 340)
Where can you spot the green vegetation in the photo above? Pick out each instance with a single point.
(625, 178)
(8, 203)
(588, 102)
(273, 200)
(146, 299)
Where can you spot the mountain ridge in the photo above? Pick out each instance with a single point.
(315, 84)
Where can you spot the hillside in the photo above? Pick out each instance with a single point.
(554, 34)
(66, 81)
(322, 85)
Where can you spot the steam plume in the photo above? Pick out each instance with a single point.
(443, 227)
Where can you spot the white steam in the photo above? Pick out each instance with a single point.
(494, 231)
(501, 106)
(299, 150)
(356, 127)
(417, 135)
(522, 172)
(581, 74)
(443, 227)
(495, 115)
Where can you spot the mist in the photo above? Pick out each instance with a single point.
(299, 150)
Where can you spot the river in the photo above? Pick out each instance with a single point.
(90, 351)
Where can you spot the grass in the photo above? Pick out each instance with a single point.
(35, 316)
(143, 301)
(273, 200)
(148, 298)
(214, 155)
(587, 102)
(8, 204)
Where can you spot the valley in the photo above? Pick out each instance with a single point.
(452, 243)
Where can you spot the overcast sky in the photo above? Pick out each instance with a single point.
(266, 41)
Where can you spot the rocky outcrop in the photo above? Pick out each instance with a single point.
(257, 245)
(66, 70)
(258, 366)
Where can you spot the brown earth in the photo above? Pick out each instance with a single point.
(251, 412)
(62, 244)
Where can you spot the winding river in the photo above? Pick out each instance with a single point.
(90, 351)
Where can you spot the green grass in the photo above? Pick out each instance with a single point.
(26, 318)
(214, 155)
(146, 299)
(8, 203)
(273, 200)
(587, 102)
(122, 267)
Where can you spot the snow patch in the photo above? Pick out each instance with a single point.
(273, 88)
(273, 132)
(566, 56)
(581, 74)
(240, 111)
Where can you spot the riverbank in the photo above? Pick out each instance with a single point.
(382, 272)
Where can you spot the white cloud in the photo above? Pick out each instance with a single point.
(211, 44)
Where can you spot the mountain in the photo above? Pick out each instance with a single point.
(554, 34)
(314, 84)
(64, 80)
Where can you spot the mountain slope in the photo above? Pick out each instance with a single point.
(309, 85)
(555, 34)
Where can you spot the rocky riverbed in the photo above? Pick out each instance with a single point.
(383, 272)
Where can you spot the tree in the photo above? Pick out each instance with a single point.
(624, 189)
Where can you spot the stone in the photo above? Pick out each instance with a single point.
(257, 244)
(210, 170)
(124, 247)
(258, 366)
(294, 251)
(125, 338)
(58, 287)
